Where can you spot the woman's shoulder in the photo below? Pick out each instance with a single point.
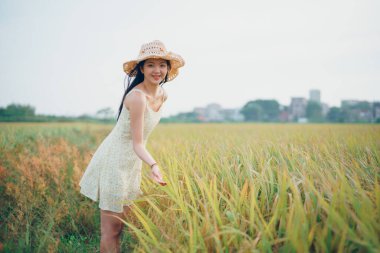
(165, 94)
(136, 95)
(135, 98)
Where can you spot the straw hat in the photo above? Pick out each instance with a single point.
(155, 49)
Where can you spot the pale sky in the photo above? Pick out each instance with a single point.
(65, 57)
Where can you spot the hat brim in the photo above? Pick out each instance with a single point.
(176, 62)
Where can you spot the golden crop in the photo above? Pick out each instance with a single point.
(231, 188)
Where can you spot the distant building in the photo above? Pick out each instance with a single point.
(348, 103)
(325, 109)
(284, 115)
(201, 113)
(302, 120)
(315, 95)
(357, 110)
(232, 115)
(297, 107)
(212, 112)
(376, 111)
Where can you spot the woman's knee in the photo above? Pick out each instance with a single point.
(110, 226)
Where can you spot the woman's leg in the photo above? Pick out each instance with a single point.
(111, 230)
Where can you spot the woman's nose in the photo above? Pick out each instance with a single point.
(156, 69)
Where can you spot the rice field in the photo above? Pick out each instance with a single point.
(231, 188)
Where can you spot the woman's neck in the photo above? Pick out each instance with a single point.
(150, 88)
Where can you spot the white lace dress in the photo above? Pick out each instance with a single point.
(113, 175)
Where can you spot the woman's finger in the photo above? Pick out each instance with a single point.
(156, 177)
(159, 179)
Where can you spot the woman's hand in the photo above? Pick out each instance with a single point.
(156, 175)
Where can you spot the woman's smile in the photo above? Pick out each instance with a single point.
(156, 77)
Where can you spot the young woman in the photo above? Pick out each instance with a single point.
(113, 175)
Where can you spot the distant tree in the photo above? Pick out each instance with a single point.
(17, 110)
(346, 115)
(314, 111)
(261, 110)
(105, 113)
(2, 112)
(334, 115)
(257, 112)
(186, 117)
(271, 109)
(252, 111)
(362, 105)
(84, 116)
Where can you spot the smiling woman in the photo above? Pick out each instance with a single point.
(113, 175)
(150, 69)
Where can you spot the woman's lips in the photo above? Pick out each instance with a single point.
(156, 77)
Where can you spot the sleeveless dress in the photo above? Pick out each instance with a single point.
(113, 175)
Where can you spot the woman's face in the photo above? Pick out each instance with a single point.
(155, 70)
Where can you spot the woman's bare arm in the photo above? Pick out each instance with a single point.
(137, 103)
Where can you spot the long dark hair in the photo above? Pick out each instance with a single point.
(137, 80)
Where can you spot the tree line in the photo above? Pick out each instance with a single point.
(257, 111)
(26, 113)
(269, 111)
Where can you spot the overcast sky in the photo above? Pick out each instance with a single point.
(65, 57)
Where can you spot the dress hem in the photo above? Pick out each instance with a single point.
(105, 208)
